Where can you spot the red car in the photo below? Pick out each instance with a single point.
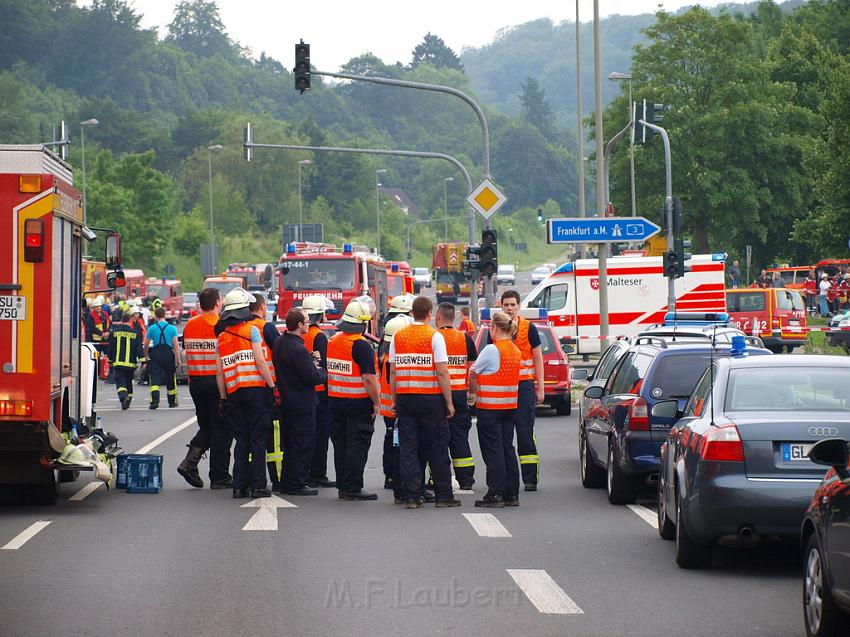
(556, 367)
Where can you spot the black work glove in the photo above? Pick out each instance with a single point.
(222, 407)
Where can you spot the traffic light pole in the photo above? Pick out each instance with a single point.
(470, 214)
(668, 207)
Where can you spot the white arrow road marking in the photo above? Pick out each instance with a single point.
(542, 591)
(487, 525)
(265, 517)
(26, 535)
(645, 514)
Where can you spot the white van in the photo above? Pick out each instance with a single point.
(506, 275)
(637, 296)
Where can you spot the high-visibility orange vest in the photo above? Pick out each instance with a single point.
(500, 390)
(309, 340)
(456, 348)
(526, 371)
(267, 351)
(386, 392)
(200, 342)
(237, 358)
(415, 371)
(344, 377)
(467, 326)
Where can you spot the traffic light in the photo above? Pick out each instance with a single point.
(489, 254)
(648, 112)
(473, 258)
(540, 215)
(682, 257)
(302, 67)
(671, 264)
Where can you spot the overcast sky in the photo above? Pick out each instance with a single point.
(338, 30)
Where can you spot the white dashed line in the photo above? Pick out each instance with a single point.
(26, 535)
(645, 514)
(86, 491)
(542, 591)
(487, 525)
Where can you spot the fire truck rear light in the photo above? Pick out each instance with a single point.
(15, 407)
(34, 241)
(29, 183)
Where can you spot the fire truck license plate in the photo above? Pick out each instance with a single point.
(13, 308)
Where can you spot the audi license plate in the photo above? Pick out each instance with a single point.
(793, 451)
(13, 308)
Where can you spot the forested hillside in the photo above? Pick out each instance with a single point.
(756, 115)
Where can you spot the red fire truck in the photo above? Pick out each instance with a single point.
(399, 279)
(257, 275)
(339, 275)
(47, 375)
(170, 292)
(134, 286)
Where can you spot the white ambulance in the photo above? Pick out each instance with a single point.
(637, 296)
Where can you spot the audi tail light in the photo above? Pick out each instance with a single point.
(638, 417)
(722, 444)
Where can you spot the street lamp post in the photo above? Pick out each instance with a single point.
(83, 125)
(213, 259)
(446, 206)
(617, 76)
(413, 223)
(378, 205)
(303, 162)
(582, 208)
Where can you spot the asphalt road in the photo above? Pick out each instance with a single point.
(179, 562)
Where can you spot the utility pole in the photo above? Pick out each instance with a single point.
(582, 208)
(602, 248)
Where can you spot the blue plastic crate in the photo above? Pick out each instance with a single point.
(144, 473)
(121, 470)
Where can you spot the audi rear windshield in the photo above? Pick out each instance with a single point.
(790, 388)
(319, 274)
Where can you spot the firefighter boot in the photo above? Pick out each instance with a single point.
(189, 467)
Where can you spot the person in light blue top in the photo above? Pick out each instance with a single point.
(162, 349)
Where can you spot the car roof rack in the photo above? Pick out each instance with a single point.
(650, 340)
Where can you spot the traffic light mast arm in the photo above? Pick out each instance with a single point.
(607, 158)
(668, 205)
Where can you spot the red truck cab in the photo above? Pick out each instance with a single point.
(776, 315)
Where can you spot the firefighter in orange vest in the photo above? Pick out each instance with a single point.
(494, 388)
(316, 342)
(391, 466)
(246, 392)
(422, 400)
(199, 343)
(354, 398)
(461, 352)
(531, 391)
(466, 324)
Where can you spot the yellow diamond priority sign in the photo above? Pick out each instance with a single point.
(486, 198)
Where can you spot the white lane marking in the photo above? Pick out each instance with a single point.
(168, 434)
(91, 487)
(86, 491)
(487, 525)
(645, 514)
(265, 517)
(26, 535)
(542, 591)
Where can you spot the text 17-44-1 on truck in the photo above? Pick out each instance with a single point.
(47, 374)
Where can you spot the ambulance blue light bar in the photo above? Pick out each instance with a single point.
(567, 267)
(290, 248)
(696, 318)
(531, 313)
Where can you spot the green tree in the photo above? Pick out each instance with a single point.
(197, 28)
(434, 51)
(536, 110)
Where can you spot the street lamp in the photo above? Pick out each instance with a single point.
(303, 162)
(616, 76)
(446, 206)
(413, 223)
(213, 255)
(83, 126)
(380, 171)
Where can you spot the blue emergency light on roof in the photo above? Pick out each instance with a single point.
(719, 256)
(485, 314)
(394, 267)
(739, 346)
(346, 248)
(567, 267)
(696, 318)
(290, 248)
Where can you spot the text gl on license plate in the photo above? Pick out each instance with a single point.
(794, 451)
(13, 308)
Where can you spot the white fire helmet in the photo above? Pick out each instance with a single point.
(401, 304)
(237, 298)
(395, 324)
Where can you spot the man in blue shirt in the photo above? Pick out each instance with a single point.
(163, 352)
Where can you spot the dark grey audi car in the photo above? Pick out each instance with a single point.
(735, 468)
